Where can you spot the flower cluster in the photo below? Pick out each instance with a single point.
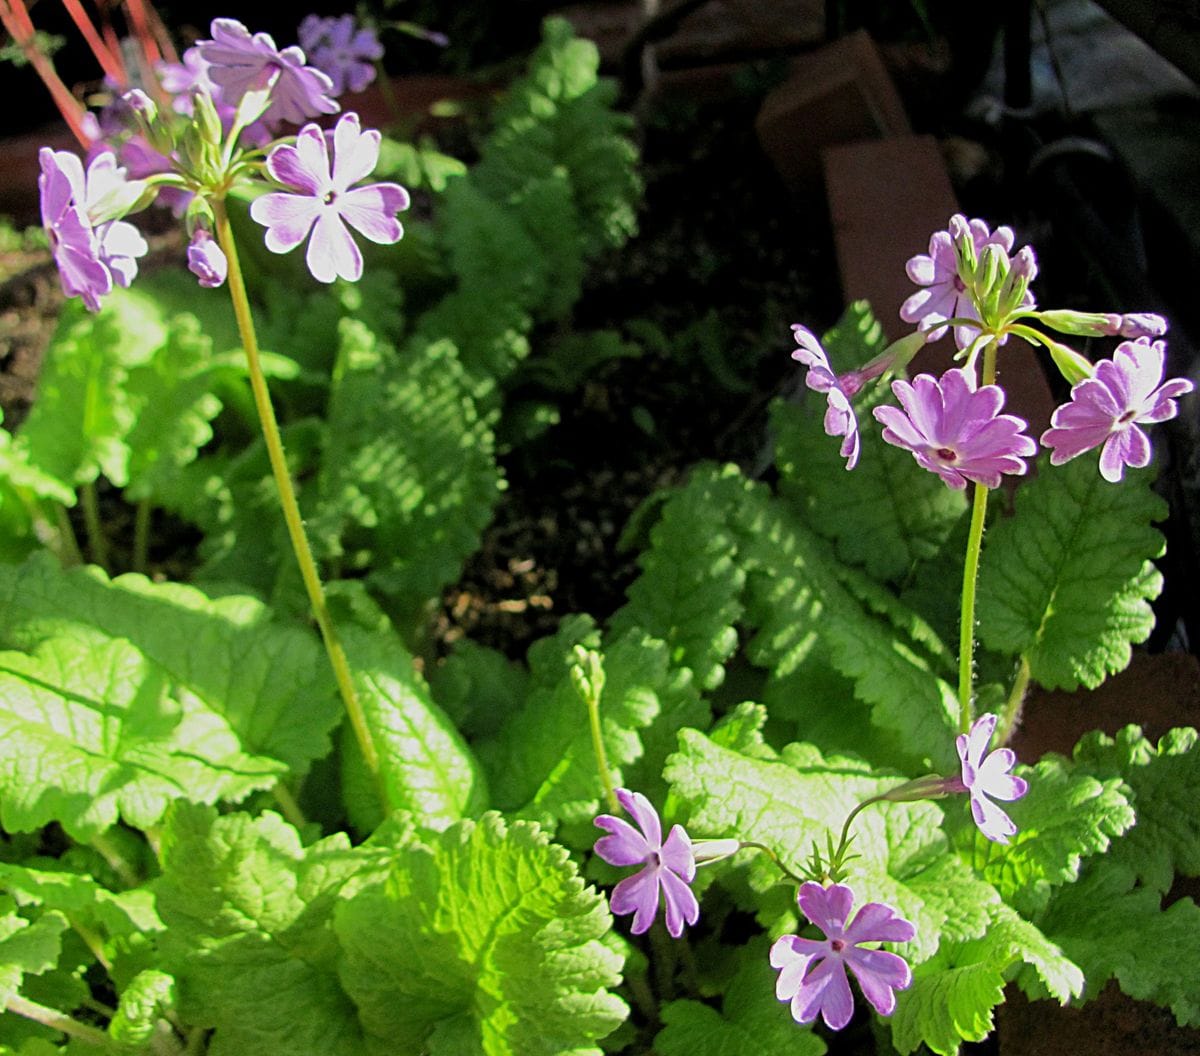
(231, 94)
(812, 972)
(953, 425)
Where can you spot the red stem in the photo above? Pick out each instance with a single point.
(110, 62)
(20, 27)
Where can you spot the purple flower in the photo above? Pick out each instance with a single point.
(73, 243)
(320, 199)
(181, 80)
(346, 55)
(1108, 407)
(668, 867)
(812, 973)
(1135, 324)
(206, 260)
(239, 62)
(89, 256)
(956, 430)
(945, 295)
(840, 419)
(988, 775)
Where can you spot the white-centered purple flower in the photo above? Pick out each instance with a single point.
(956, 430)
(985, 775)
(944, 295)
(239, 61)
(812, 972)
(206, 260)
(1109, 407)
(344, 53)
(321, 199)
(668, 868)
(840, 419)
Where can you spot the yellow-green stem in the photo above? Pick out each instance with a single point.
(68, 548)
(289, 806)
(97, 544)
(55, 1020)
(966, 626)
(287, 497)
(116, 860)
(610, 795)
(141, 536)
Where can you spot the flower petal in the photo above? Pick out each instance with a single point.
(355, 153)
(624, 845)
(643, 812)
(287, 217)
(680, 902)
(332, 252)
(827, 907)
(879, 974)
(371, 211)
(877, 922)
(677, 854)
(637, 894)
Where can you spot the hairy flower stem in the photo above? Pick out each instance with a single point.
(287, 498)
(592, 700)
(55, 1020)
(966, 626)
(1011, 715)
(798, 880)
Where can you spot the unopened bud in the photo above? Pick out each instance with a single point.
(587, 674)
(705, 851)
(1081, 324)
(206, 260)
(205, 118)
(1021, 272)
(964, 247)
(1142, 324)
(1073, 366)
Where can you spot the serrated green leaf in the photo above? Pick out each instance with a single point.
(94, 733)
(1115, 928)
(81, 418)
(751, 1019)
(268, 680)
(173, 403)
(542, 764)
(478, 687)
(797, 604)
(689, 591)
(408, 477)
(1067, 580)
(248, 914)
(1066, 816)
(26, 947)
(800, 799)
(141, 1008)
(510, 959)
(425, 765)
(888, 513)
(1164, 780)
(954, 992)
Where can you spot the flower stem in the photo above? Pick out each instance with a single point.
(798, 880)
(108, 850)
(55, 1020)
(1011, 715)
(97, 544)
(287, 496)
(592, 700)
(141, 536)
(966, 626)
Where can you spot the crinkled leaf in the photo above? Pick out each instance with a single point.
(268, 681)
(797, 604)
(143, 1003)
(888, 513)
(791, 803)
(689, 591)
(80, 420)
(95, 733)
(1114, 927)
(477, 687)
(560, 116)
(173, 401)
(751, 1020)
(17, 471)
(542, 764)
(485, 940)
(954, 992)
(408, 476)
(26, 947)
(425, 765)
(1164, 780)
(248, 915)
(1066, 816)
(1067, 580)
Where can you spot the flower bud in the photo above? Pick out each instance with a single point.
(587, 674)
(1071, 365)
(206, 260)
(1021, 273)
(1142, 324)
(714, 850)
(1081, 324)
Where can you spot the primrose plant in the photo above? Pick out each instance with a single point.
(220, 137)
(971, 283)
